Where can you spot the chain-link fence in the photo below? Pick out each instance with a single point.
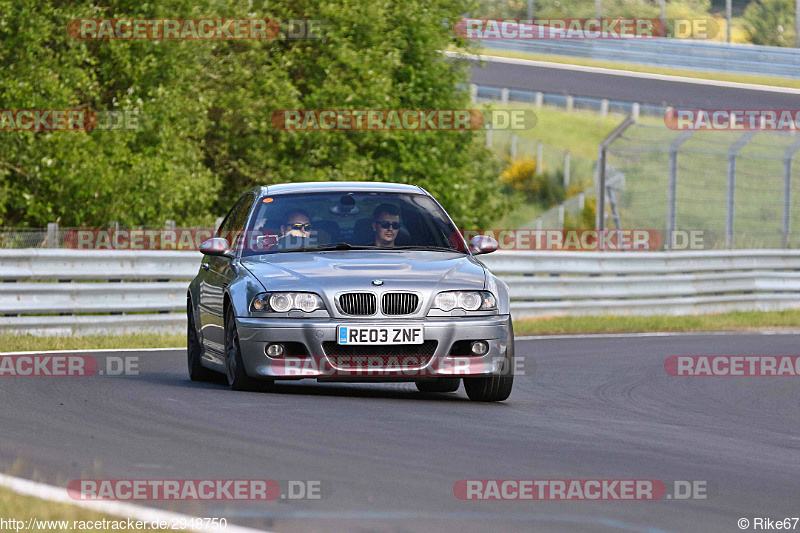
(11, 237)
(113, 236)
(734, 186)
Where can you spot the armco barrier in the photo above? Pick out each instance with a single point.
(666, 52)
(67, 292)
(94, 291)
(648, 283)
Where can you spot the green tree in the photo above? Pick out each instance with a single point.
(205, 106)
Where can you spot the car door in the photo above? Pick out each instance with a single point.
(219, 272)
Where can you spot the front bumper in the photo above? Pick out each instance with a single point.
(256, 333)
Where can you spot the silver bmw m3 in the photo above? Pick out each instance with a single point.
(348, 281)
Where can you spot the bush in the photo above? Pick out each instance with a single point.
(586, 220)
(544, 188)
(770, 22)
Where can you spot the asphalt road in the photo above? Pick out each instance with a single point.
(624, 88)
(389, 456)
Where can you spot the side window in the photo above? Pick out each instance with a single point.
(233, 225)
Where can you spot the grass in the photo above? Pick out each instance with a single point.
(23, 508)
(516, 218)
(578, 131)
(737, 321)
(632, 67)
(21, 343)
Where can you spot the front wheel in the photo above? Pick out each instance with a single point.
(234, 366)
(497, 387)
(438, 385)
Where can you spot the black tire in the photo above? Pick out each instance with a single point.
(194, 351)
(438, 385)
(497, 387)
(234, 366)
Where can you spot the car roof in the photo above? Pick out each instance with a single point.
(339, 186)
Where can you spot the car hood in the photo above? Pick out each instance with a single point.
(333, 272)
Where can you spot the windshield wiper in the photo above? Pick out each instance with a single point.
(328, 247)
(432, 248)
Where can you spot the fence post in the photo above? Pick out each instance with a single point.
(504, 95)
(787, 192)
(539, 100)
(473, 92)
(539, 158)
(570, 103)
(672, 186)
(734, 149)
(113, 227)
(488, 136)
(604, 108)
(513, 146)
(600, 219)
(635, 111)
(567, 159)
(581, 202)
(560, 216)
(52, 235)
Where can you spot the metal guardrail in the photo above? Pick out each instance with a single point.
(94, 291)
(49, 292)
(648, 283)
(667, 52)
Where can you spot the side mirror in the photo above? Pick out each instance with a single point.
(482, 244)
(216, 246)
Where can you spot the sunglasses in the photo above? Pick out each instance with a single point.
(385, 225)
(300, 226)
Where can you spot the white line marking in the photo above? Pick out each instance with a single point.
(98, 350)
(627, 73)
(651, 334)
(120, 509)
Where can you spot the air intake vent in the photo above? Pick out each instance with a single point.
(399, 303)
(358, 303)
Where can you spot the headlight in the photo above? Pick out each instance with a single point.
(468, 300)
(281, 302)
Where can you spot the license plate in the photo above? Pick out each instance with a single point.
(380, 334)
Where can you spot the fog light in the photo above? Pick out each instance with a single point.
(274, 350)
(480, 348)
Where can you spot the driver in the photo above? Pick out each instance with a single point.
(296, 223)
(385, 224)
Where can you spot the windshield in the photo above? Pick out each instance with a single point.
(351, 221)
